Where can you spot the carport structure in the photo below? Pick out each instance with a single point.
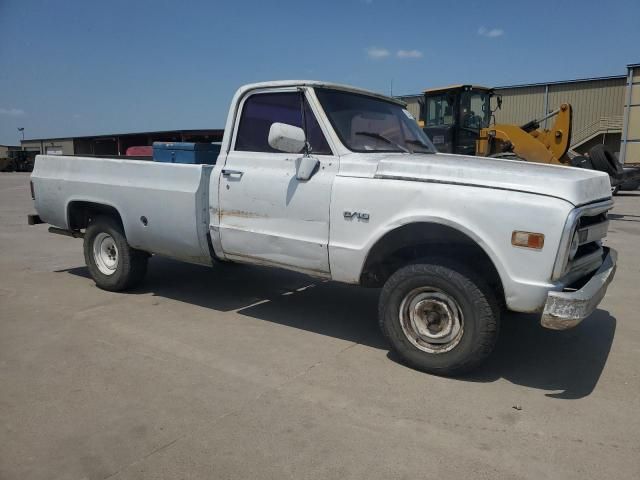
(117, 144)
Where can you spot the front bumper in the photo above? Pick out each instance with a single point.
(565, 310)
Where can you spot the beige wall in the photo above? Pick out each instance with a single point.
(631, 151)
(520, 105)
(590, 101)
(634, 124)
(63, 146)
(596, 104)
(31, 145)
(413, 106)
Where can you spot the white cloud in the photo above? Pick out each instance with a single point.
(409, 54)
(491, 33)
(375, 52)
(12, 112)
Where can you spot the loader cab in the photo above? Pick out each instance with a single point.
(453, 116)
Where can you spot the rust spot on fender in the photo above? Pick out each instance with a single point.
(241, 214)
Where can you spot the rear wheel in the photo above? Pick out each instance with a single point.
(112, 263)
(439, 317)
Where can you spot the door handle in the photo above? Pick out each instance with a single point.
(228, 173)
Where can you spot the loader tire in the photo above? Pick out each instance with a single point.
(605, 161)
(629, 185)
(112, 263)
(439, 317)
(582, 162)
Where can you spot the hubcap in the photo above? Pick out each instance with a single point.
(105, 253)
(431, 319)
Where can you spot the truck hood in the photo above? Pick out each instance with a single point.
(575, 185)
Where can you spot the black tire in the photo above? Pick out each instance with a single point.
(507, 156)
(129, 266)
(582, 162)
(604, 160)
(474, 300)
(630, 185)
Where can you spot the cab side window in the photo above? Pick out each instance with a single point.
(261, 110)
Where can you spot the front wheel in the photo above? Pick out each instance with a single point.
(439, 317)
(112, 263)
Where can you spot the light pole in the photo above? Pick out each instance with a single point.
(21, 130)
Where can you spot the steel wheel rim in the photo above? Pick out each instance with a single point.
(105, 253)
(431, 320)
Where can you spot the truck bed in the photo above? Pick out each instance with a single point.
(172, 197)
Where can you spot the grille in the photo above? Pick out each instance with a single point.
(591, 230)
(591, 224)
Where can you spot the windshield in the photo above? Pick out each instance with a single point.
(440, 110)
(475, 110)
(369, 124)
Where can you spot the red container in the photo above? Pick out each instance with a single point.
(142, 151)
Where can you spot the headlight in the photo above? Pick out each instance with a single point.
(575, 243)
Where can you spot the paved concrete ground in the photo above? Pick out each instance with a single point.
(251, 373)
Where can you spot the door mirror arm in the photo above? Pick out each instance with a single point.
(306, 167)
(307, 146)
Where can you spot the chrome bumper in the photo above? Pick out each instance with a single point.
(565, 310)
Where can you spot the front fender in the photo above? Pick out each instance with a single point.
(487, 216)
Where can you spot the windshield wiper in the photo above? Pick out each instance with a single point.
(420, 144)
(382, 137)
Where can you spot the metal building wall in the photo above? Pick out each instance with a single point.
(631, 134)
(520, 104)
(413, 105)
(597, 104)
(62, 146)
(591, 100)
(32, 145)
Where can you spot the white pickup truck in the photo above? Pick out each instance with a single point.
(342, 184)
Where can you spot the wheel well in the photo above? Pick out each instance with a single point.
(81, 214)
(411, 242)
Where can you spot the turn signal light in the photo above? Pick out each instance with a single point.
(527, 240)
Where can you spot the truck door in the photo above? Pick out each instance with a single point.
(266, 215)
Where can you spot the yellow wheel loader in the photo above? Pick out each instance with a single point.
(459, 119)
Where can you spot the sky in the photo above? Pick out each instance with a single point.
(72, 67)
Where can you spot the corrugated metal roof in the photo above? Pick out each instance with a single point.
(528, 85)
(576, 80)
(452, 87)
